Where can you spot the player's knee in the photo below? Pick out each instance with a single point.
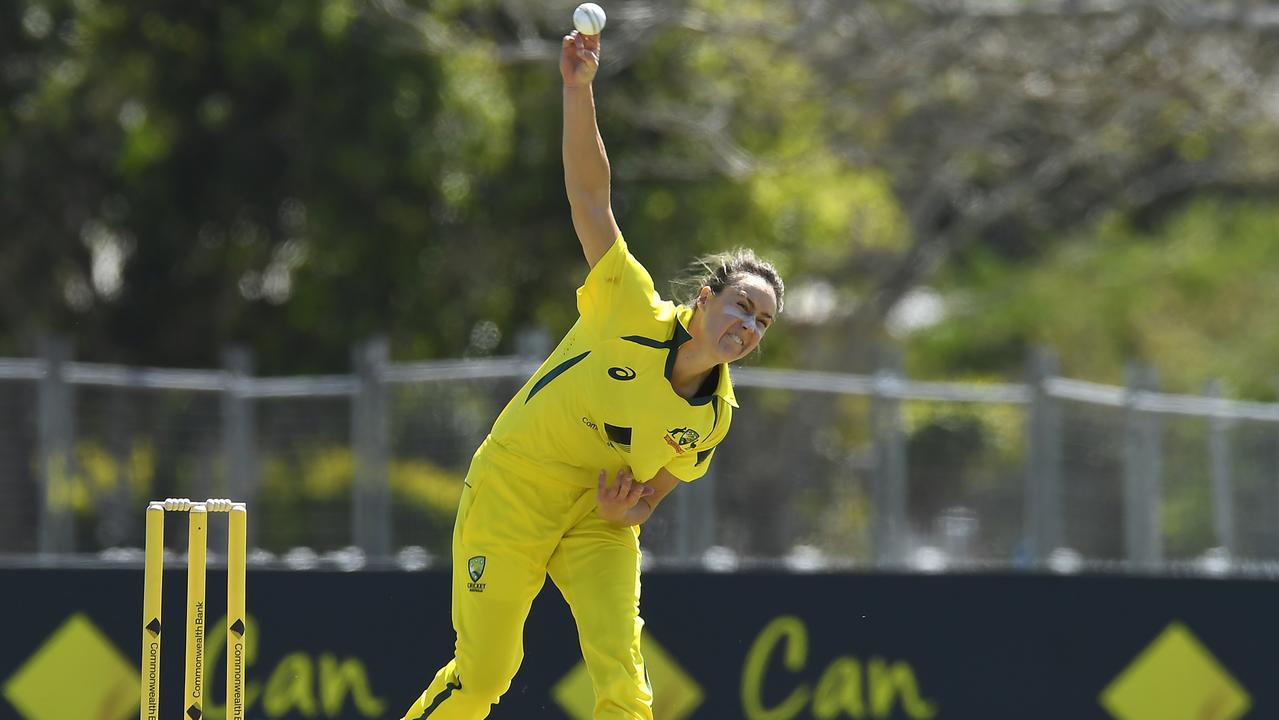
(486, 684)
(616, 669)
(617, 645)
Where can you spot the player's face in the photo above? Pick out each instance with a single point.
(735, 320)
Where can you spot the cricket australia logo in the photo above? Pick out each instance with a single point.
(475, 568)
(681, 439)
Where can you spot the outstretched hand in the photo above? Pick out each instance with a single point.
(579, 59)
(616, 501)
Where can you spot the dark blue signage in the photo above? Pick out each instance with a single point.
(750, 646)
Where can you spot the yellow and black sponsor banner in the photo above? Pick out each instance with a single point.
(752, 646)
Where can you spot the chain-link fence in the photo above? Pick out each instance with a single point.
(821, 470)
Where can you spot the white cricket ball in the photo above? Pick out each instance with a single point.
(589, 19)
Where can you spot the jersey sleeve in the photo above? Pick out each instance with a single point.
(691, 466)
(618, 291)
(694, 463)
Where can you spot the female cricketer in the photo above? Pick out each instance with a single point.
(638, 390)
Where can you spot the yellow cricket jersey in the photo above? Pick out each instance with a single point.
(604, 400)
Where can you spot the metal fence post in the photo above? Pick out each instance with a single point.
(890, 524)
(1043, 531)
(1223, 498)
(695, 517)
(1142, 491)
(116, 513)
(683, 522)
(370, 429)
(56, 402)
(239, 433)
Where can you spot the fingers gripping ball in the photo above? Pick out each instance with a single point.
(589, 19)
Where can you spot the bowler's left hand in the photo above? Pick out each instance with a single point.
(615, 501)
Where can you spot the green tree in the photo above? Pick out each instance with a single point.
(1187, 295)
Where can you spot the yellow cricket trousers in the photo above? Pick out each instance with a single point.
(511, 531)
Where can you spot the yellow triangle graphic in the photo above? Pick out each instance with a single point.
(76, 673)
(1175, 678)
(675, 693)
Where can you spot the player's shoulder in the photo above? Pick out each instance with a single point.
(650, 318)
(616, 257)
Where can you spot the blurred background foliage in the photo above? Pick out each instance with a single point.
(1187, 294)
(963, 179)
(300, 490)
(966, 180)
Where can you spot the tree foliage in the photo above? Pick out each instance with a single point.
(1189, 295)
(293, 177)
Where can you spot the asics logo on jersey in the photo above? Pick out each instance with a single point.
(621, 373)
